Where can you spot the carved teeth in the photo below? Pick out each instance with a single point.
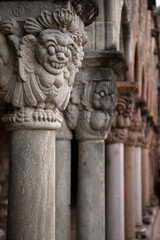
(57, 65)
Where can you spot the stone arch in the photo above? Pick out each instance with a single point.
(143, 84)
(125, 31)
(147, 92)
(136, 64)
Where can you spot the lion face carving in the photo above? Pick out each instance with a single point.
(53, 50)
(45, 61)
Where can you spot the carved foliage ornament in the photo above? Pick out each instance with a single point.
(38, 63)
(90, 109)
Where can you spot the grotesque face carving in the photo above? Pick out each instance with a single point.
(53, 50)
(103, 96)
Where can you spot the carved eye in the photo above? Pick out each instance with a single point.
(51, 50)
(102, 93)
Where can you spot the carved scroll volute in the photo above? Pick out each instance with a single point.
(122, 120)
(90, 109)
(38, 63)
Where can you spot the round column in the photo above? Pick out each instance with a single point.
(129, 192)
(91, 117)
(91, 192)
(145, 177)
(63, 183)
(32, 185)
(115, 202)
(138, 186)
(115, 191)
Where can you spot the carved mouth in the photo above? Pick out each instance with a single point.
(57, 65)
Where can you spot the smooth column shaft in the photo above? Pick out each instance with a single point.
(115, 191)
(91, 193)
(138, 186)
(31, 213)
(145, 178)
(63, 189)
(129, 192)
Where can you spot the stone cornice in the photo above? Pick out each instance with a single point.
(126, 88)
(107, 59)
(38, 62)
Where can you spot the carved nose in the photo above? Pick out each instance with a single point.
(61, 56)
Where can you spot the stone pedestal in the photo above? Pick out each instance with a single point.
(31, 210)
(138, 186)
(129, 159)
(115, 191)
(91, 192)
(63, 183)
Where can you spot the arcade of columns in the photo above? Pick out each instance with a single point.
(79, 96)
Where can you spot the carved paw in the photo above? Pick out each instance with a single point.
(8, 118)
(47, 115)
(40, 115)
(23, 115)
(10, 26)
(53, 115)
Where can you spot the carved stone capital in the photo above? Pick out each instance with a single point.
(122, 120)
(146, 131)
(39, 57)
(117, 135)
(134, 133)
(91, 106)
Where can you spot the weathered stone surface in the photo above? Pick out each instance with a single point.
(63, 183)
(63, 189)
(138, 186)
(121, 120)
(91, 106)
(32, 185)
(115, 191)
(4, 173)
(107, 59)
(91, 192)
(39, 60)
(40, 52)
(129, 182)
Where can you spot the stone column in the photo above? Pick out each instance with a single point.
(115, 205)
(140, 228)
(115, 191)
(129, 192)
(39, 57)
(146, 171)
(63, 183)
(91, 116)
(145, 168)
(4, 173)
(129, 166)
(138, 186)
(91, 190)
